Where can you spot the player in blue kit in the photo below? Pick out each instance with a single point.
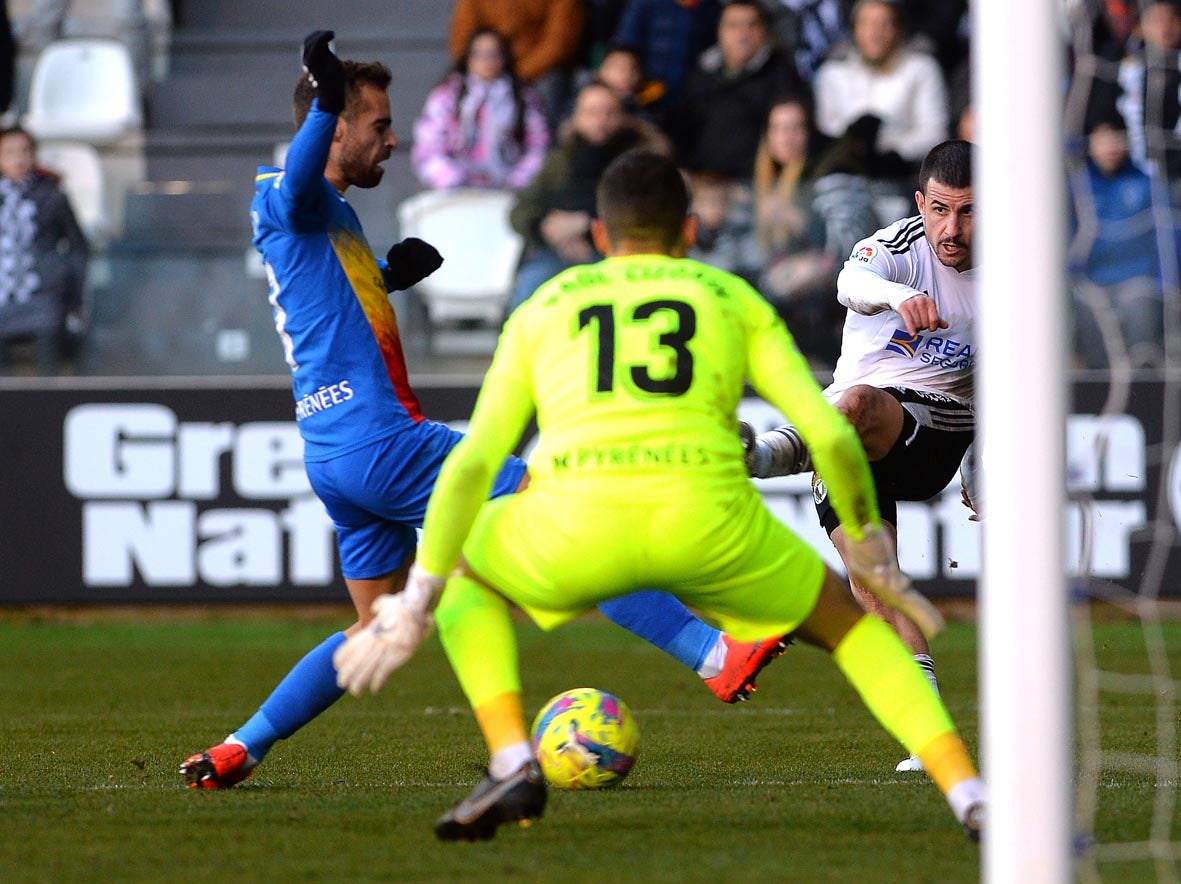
(371, 456)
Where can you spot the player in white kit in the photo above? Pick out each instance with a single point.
(904, 377)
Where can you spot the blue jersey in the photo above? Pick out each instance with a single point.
(332, 312)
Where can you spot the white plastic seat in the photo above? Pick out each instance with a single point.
(84, 90)
(83, 180)
(470, 228)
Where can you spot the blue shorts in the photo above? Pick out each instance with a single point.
(377, 495)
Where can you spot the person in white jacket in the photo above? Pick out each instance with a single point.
(895, 96)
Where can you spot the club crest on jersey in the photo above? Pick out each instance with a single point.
(903, 343)
(864, 254)
(819, 489)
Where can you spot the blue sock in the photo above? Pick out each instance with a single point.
(663, 621)
(306, 691)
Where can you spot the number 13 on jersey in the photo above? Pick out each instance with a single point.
(650, 341)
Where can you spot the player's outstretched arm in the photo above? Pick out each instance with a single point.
(324, 71)
(921, 313)
(301, 188)
(400, 624)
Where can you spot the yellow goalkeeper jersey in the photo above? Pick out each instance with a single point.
(633, 368)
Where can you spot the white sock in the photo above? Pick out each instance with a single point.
(233, 740)
(964, 795)
(928, 666)
(715, 660)
(508, 760)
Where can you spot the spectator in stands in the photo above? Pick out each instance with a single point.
(1114, 258)
(812, 28)
(49, 20)
(1150, 92)
(544, 36)
(481, 126)
(725, 225)
(555, 211)
(669, 35)
(723, 108)
(623, 70)
(889, 95)
(812, 205)
(43, 254)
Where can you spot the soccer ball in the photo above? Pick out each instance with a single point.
(585, 739)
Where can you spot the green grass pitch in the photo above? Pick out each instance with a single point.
(796, 785)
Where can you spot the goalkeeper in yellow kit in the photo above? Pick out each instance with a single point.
(634, 368)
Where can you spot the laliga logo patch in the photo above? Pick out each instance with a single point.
(819, 489)
(864, 254)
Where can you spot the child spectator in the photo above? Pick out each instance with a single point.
(1114, 258)
(623, 70)
(481, 126)
(544, 35)
(669, 35)
(43, 254)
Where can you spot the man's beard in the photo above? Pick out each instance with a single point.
(359, 173)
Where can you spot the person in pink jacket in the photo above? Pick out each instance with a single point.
(481, 126)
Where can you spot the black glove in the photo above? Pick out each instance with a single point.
(410, 261)
(865, 130)
(324, 70)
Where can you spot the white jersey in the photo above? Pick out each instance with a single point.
(895, 264)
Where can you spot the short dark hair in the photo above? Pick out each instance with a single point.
(1112, 120)
(757, 6)
(21, 132)
(642, 196)
(356, 74)
(949, 163)
(614, 46)
(894, 5)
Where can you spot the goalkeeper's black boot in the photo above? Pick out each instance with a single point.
(519, 798)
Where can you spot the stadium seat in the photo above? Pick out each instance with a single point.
(84, 90)
(470, 228)
(83, 180)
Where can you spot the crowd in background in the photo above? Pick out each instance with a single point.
(801, 124)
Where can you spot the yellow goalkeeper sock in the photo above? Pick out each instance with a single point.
(946, 761)
(477, 634)
(895, 690)
(502, 722)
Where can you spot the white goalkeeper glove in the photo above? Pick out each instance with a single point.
(401, 621)
(873, 564)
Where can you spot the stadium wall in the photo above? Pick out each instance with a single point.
(179, 490)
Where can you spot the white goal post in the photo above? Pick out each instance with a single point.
(1026, 730)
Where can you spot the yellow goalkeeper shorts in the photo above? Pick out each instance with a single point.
(557, 553)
